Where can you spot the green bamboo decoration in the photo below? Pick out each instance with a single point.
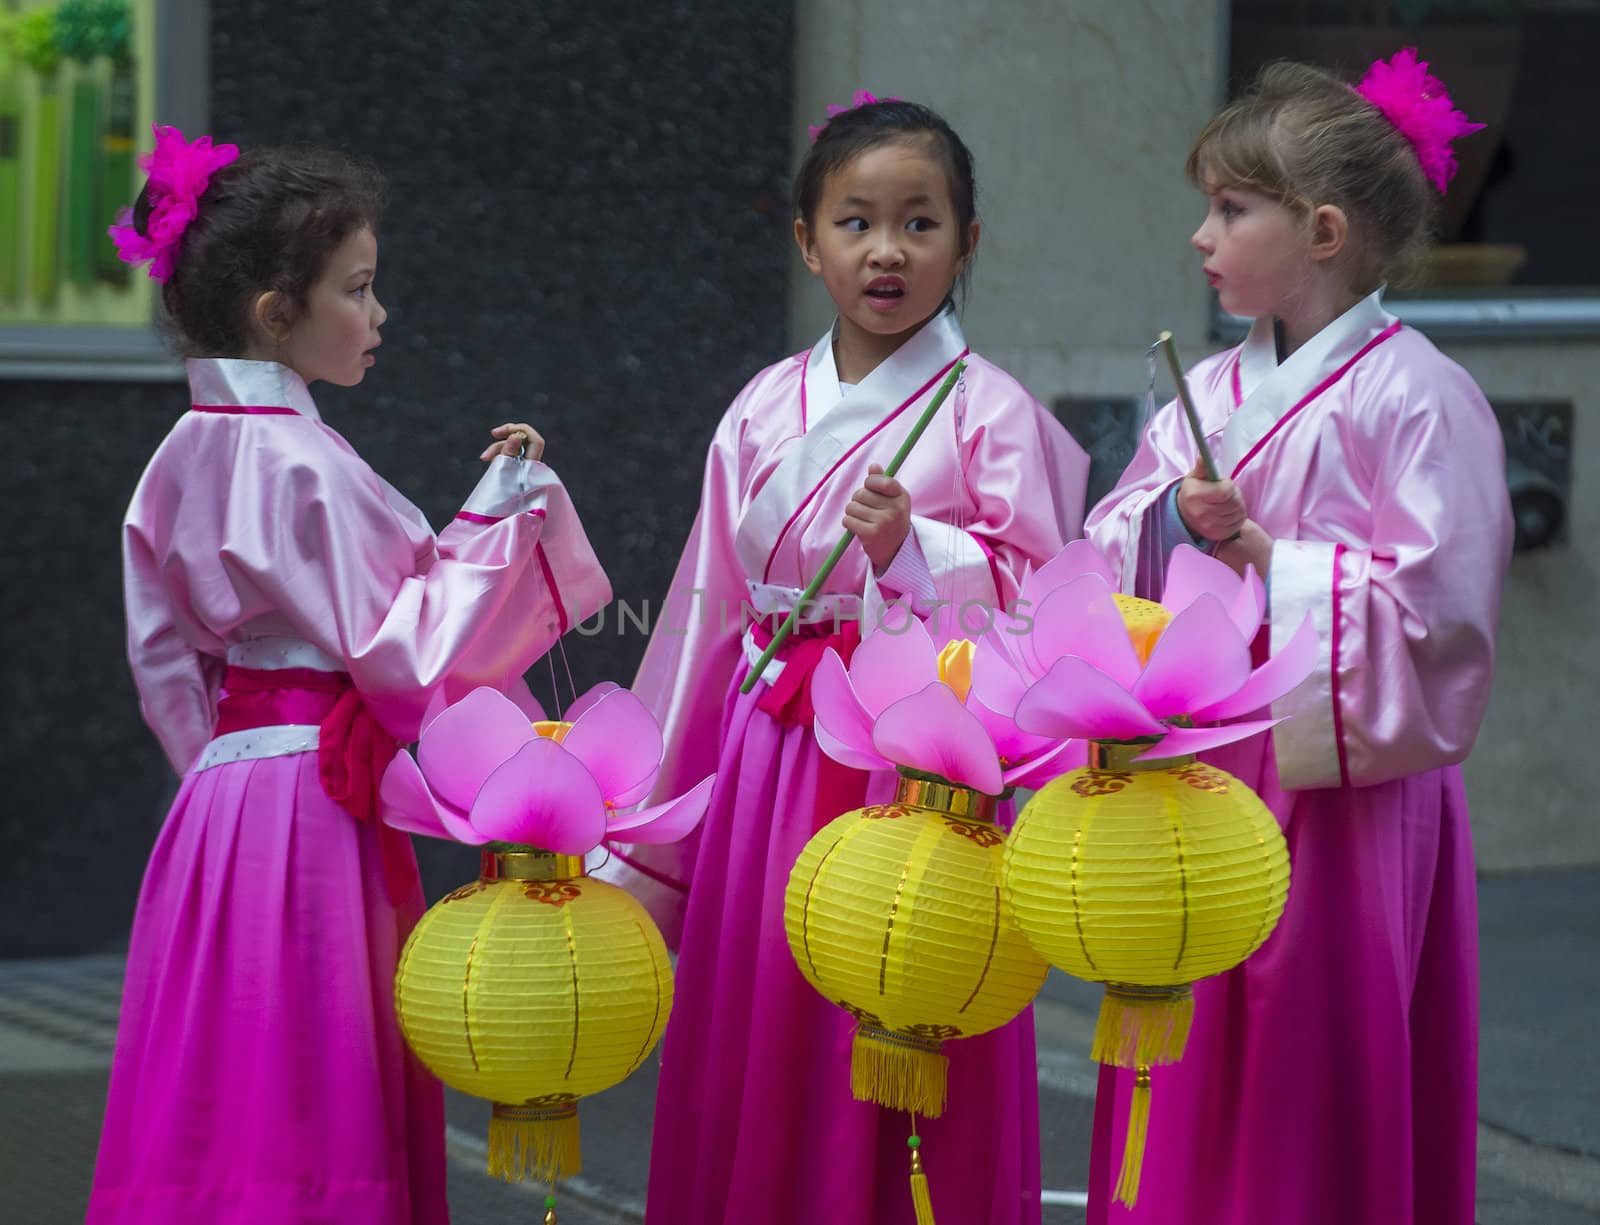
(36, 46)
(100, 164)
(815, 585)
(10, 163)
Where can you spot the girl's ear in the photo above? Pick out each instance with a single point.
(1330, 229)
(808, 247)
(272, 316)
(973, 233)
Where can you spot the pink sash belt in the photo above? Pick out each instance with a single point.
(353, 750)
(788, 699)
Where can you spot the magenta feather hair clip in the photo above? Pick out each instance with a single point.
(862, 98)
(1417, 103)
(179, 172)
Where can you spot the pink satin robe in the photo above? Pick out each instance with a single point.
(1332, 1078)
(260, 1077)
(754, 1120)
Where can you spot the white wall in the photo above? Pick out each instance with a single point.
(1079, 115)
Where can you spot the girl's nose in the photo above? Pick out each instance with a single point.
(887, 252)
(380, 316)
(1201, 241)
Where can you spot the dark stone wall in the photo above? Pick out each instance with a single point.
(587, 230)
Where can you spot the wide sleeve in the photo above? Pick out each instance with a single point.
(325, 547)
(573, 587)
(1406, 620)
(177, 685)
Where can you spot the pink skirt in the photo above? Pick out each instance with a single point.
(1333, 1077)
(260, 1077)
(754, 1118)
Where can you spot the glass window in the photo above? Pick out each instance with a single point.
(80, 85)
(1514, 248)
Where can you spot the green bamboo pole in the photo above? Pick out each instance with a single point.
(1171, 350)
(815, 586)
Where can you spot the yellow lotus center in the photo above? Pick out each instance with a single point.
(552, 729)
(955, 665)
(1145, 620)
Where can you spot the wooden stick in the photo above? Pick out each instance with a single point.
(1164, 341)
(815, 585)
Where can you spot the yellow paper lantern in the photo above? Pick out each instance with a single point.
(1145, 876)
(895, 913)
(534, 986)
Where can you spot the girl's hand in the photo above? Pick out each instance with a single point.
(1252, 548)
(880, 517)
(516, 438)
(1214, 510)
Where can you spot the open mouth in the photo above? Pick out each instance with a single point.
(886, 290)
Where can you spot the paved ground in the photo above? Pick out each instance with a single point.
(1539, 1139)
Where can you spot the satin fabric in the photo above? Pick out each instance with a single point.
(1333, 1077)
(754, 1117)
(259, 1074)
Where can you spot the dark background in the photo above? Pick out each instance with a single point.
(587, 230)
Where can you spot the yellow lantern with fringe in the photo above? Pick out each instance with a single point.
(532, 987)
(895, 913)
(1145, 876)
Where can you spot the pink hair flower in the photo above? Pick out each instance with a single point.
(1100, 666)
(863, 98)
(484, 773)
(1417, 103)
(179, 171)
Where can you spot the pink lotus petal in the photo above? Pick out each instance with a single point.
(1181, 740)
(1082, 619)
(1191, 574)
(1013, 745)
(619, 740)
(892, 662)
(1066, 756)
(848, 754)
(583, 703)
(1005, 637)
(996, 682)
(1249, 605)
(932, 731)
(1076, 699)
(666, 822)
(468, 740)
(1199, 659)
(522, 696)
(1281, 673)
(1078, 558)
(843, 727)
(406, 802)
(543, 796)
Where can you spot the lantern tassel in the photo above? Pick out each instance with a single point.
(921, 1200)
(1140, 1026)
(1133, 1149)
(530, 1142)
(898, 1072)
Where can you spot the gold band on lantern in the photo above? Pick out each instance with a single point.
(945, 797)
(537, 1112)
(530, 864)
(1120, 754)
